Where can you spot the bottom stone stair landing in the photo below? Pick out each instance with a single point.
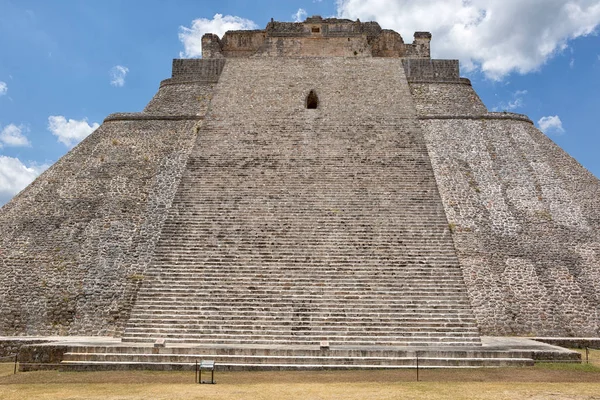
(106, 353)
(129, 357)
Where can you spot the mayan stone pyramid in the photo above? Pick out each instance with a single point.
(315, 181)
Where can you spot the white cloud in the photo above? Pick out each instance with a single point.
(14, 176)
(192, 37)
(496, 36)
(300, 15)
(72, 131)
(3, 88)
(515, 102)
(551, 125)
(117, 75)
(12, 135)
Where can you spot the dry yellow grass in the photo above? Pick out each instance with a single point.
(230, 388)
(545, 381)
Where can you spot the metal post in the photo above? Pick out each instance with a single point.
(417, 354)
(197, 381)
(587, 355)
(16, 360)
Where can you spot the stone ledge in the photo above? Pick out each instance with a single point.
(488, 116)
(460, 81)
(184, 81)
(151, 117)
(574, 343)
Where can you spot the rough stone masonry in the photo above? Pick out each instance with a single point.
(400, 172)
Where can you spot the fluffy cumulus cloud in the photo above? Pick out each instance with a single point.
(3, 88)
(551, 125)
(70, 132)
(14, 176)
(13, 135)
(496, 36)
(299, 15)
(219, 24)
(117, 75)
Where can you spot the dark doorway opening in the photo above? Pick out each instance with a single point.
(312, 100)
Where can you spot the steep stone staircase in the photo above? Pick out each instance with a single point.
(295, 226)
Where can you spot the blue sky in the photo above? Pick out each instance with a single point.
(65, 65)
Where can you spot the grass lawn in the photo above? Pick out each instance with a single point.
(544, 381)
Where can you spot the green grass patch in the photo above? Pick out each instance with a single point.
(568, 367)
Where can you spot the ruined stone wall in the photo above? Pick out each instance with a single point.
(427, 70)
(75, 244)
(242, 43)
(196, 70)
(525, 218)
(446, 99)
(316, 37)
(181, 98)
(316, 47)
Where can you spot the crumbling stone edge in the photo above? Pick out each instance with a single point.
(11, 346)
(41, 356)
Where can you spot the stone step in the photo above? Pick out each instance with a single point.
(298, 326)
(221, 250)
(362, 291)
(300, 351)
(301, 328)
(306, 314)
(204, 257)
(219, 285)
(259, 315)
(240, 266)
(308, 297)
(329, 250)
(267, 263)
(224, 305)
(248, 275)
(273, 320)
(200, 280)
(201, 216)
(210, 223)
(246, 366)
(295, 272)
(332, 249)
(356, 309)
(304, 340)
(316, 284)
(225, 362)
